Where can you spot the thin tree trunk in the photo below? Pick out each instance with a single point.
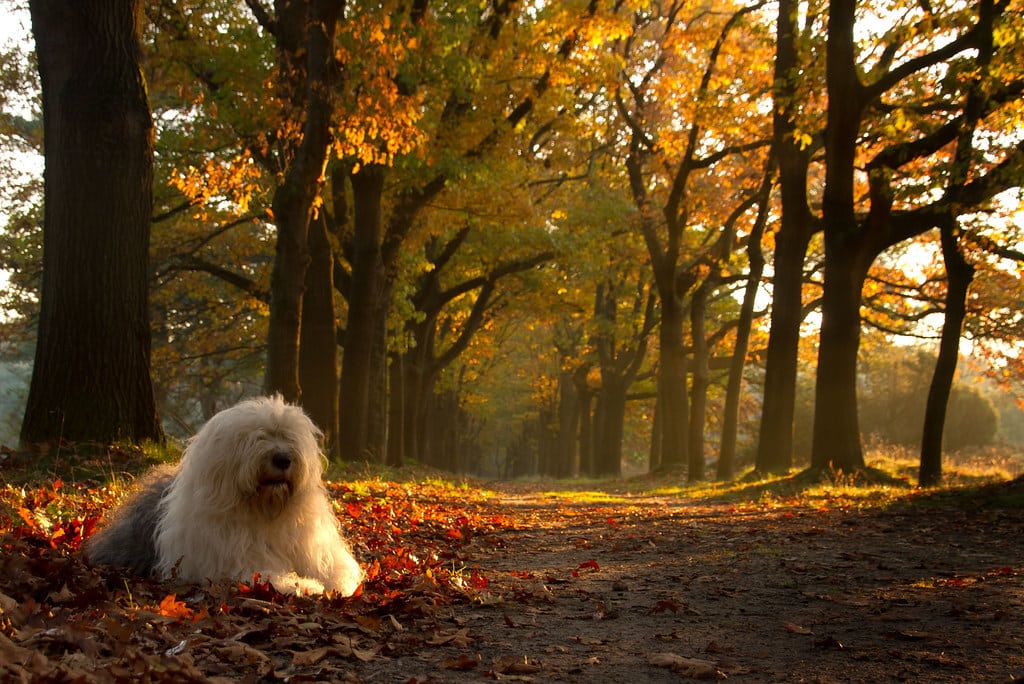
(730, 418)
(568, 426)
(91, 378)
(701, 381)
(959, 275)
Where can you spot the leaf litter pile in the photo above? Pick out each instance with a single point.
(512, 582)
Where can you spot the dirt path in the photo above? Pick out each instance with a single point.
(653, 590)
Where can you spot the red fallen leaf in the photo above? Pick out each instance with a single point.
(454, 533)
(57, 484)
(590, 564)
(354, 509)
(477, 580)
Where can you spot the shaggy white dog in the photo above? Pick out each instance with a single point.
(246, 498)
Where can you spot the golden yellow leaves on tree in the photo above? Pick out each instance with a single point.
(231, 182)
(376, 121)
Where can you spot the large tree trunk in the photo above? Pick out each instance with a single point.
(293, 199)
(318, 351)
(775, 443)
(91, 378)
(362, 342)
(611, 401)
(836, 437)
(836, 426)
(672, 391)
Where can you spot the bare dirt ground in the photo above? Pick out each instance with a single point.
(656, 590)
(519, 584)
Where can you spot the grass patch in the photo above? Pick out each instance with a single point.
(89, 463)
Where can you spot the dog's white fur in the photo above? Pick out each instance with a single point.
(247, 498)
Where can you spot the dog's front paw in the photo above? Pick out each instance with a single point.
(292, 583)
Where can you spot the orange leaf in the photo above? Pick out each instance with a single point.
(173, 608)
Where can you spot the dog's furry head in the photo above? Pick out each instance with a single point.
(257, 458)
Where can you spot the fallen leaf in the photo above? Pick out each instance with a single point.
(311, 657)
(463, 662)
(458, 638)
(696, 668)
(796, 629)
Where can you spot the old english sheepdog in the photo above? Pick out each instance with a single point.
(246, 499)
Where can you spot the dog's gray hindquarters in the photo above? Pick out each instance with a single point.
(128, 539)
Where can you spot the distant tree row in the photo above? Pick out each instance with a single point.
(536, 233)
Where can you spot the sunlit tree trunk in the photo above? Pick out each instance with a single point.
(91, 378)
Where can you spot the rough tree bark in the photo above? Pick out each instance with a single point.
(91, 378)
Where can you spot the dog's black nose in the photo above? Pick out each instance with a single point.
(281, 460)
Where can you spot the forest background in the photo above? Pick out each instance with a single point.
(571, 238)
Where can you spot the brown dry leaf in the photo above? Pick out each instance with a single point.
(311, 657)
(463, 662)
(696, 668)
(459, 638)
(521, 666)
(796, 629)
(11, 653)
(346, 649)
(62, 596)
(7, 604)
